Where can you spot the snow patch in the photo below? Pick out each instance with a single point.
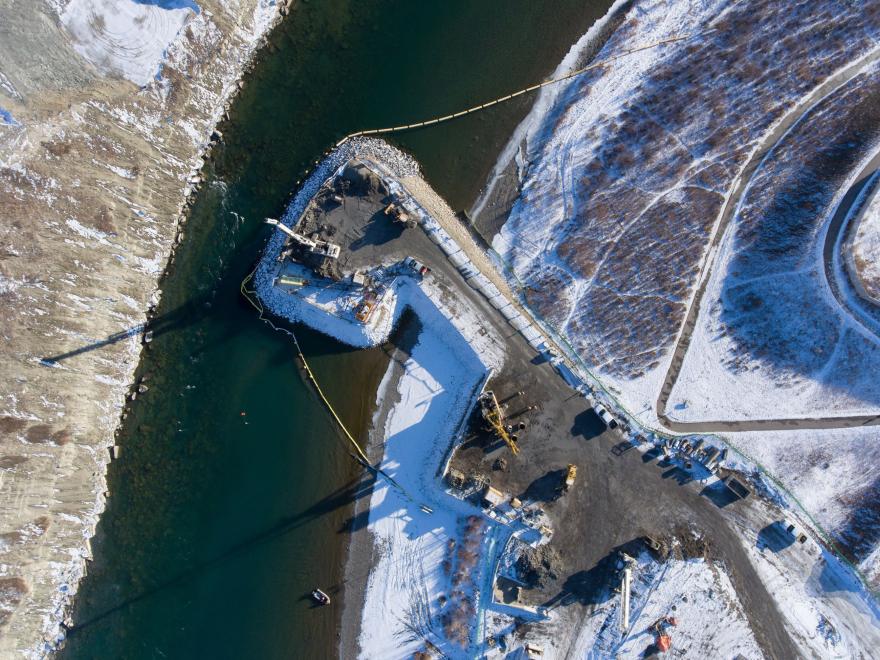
(125, 37)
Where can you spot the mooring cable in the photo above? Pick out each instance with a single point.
(252, 297)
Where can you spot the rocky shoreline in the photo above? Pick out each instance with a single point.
(96, 178)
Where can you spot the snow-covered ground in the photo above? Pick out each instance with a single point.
(625, 169)
(126, 38)
(330, 310)
(835, 474)
(697, 593)
(414, 570)
(866, 248)
(435, 554)
(827, 612)
(771, 339)
(94, 178)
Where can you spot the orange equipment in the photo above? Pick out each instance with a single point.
(664, 642)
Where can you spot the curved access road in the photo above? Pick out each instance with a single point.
(862, 312)
(738, 189)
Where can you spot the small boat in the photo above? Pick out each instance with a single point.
(320, 597)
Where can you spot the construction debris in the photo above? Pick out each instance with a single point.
(661, 629)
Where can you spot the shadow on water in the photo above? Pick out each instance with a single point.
(342, 497)
(185, 315)
(198, 482)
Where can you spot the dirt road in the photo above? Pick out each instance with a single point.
(862, 312)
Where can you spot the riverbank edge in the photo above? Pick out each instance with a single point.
(498, 193)
(359, 558)
(54, 628)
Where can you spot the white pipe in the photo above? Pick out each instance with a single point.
(287, 230)
(624, 599)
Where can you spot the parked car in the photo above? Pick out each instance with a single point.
(417, 266)
(795, 531)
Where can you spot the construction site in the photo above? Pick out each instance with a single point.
(337, 251)
(586, 504)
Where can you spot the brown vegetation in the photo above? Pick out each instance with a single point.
(650, 179)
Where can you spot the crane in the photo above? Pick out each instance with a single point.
(494, 417)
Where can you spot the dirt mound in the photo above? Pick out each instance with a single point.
(358, 179)
(692, 545)
(538, 567)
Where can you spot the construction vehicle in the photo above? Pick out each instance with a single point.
(570, 476)
(661, 628)
(657, 548)
(316, 247)
(491, 412)
(399, 215)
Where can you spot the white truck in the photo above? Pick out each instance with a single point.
(605, 416)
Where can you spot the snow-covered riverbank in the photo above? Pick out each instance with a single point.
(102, 145)
(408, 583)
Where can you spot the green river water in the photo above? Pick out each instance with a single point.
(229, 500)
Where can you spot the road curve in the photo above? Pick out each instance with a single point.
(868, 316)
(738, 188)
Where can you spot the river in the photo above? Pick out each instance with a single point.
(229, 500)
